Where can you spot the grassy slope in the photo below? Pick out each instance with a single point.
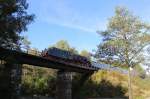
(141, 87)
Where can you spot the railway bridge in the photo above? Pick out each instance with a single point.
(14, 59)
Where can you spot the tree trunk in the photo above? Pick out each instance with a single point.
(130, 83)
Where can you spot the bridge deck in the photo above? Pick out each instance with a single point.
(24, 58)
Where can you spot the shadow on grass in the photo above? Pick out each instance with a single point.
(104, 89)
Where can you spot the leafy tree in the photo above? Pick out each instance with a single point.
(124, 40)
(63, 44)
(26, 43)
(13, 20)
(37, 80)
(86, 54)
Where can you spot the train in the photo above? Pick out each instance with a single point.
(65, 56)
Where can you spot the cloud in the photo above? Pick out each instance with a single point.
(61, 13)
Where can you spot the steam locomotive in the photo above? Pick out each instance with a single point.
(65, 56)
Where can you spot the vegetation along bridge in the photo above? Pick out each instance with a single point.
(64, 79)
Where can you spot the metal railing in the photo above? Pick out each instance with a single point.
(30, 51)
(109, 67)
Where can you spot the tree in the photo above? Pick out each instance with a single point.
(124, 40)
(85, 53)
(13, 20)
(63, 44)
(26, 43)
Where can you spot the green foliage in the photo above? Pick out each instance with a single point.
(114, 85)
(85, 53)
(40, 81)
(100, 87)
(63, 44)
(25, 42)
(105, 89)
(139, 71)
(124, 40)
(13, 20)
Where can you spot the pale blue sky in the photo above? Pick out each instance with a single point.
(76, 20)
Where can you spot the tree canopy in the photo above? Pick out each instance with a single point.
(63, 44)
(25, 43)
(85, 53)
(124, 39)
(13, 20)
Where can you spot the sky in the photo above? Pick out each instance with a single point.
(76, 20)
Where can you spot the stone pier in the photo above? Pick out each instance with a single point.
(10, 79)
(64, 85)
